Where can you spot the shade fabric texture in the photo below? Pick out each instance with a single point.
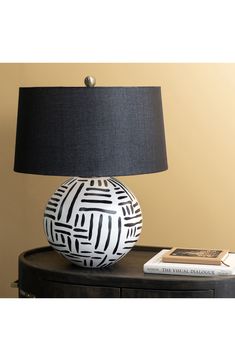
(90, 132)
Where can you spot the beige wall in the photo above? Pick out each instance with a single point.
(192, 204)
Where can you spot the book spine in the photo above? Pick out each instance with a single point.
(187, 271)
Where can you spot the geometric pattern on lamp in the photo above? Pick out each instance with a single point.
(91, 134)
(93, 223)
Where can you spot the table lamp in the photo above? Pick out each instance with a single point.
(91, 134)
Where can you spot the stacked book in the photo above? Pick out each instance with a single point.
(192, 262)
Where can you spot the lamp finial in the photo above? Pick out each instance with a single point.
(90, 81)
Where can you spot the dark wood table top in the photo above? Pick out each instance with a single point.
(129, 270)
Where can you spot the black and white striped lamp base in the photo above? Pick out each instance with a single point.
(93, 222)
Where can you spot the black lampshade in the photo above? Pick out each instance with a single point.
(79, 131)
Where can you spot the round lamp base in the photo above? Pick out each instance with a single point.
(93, 222)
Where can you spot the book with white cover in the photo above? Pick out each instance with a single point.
(155, 265)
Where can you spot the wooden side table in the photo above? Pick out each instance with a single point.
(43, 273)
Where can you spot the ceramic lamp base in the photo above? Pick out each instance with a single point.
(93, 222)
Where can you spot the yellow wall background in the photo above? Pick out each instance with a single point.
(192, 204)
